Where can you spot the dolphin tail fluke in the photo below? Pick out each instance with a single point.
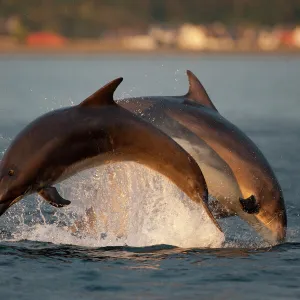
(51, 195)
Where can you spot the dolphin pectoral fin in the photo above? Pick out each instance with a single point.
(250, 205)
(219, 211)
(51, 195)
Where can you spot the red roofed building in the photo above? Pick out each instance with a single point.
(45, 39)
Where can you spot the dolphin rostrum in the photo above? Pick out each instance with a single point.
(63, 142)
(237, 173)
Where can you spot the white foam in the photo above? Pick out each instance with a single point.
(134, 206)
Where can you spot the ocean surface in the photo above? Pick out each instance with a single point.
(150, 242)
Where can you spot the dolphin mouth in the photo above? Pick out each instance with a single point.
(270, 224)
(272, 228)
(276, 225)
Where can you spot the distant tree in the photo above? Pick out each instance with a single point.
(88, 18)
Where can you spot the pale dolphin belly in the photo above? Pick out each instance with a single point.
(220, 180)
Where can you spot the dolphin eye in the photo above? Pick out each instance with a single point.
(11, 172)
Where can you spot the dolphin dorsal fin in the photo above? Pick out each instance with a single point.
(104, 96)
(197, 92)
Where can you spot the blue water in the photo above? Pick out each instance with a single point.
(39, 260)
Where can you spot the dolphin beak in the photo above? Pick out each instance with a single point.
(276, 224)
(268, 218)
(271, 219)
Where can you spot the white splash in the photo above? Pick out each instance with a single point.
(132, 205)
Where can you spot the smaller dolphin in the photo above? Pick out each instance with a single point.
(225, 155)
(97, 131)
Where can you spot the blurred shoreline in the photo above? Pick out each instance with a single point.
(48, 44)
(94, 50)
(188, 39)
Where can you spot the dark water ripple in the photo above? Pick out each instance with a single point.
(49, 250)
(148, 272)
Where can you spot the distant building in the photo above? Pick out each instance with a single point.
(192, 37)
(165, 36)
(139, 42)
(296, 37)
(45, 39)
(268, 40)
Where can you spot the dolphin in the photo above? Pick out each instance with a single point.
(63, 142)
(222, 184)
(237, 173)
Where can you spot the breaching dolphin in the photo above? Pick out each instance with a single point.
(97, 131)
(237, 173)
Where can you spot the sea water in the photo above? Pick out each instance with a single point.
(146, 239)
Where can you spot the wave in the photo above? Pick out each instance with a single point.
(115, 205)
